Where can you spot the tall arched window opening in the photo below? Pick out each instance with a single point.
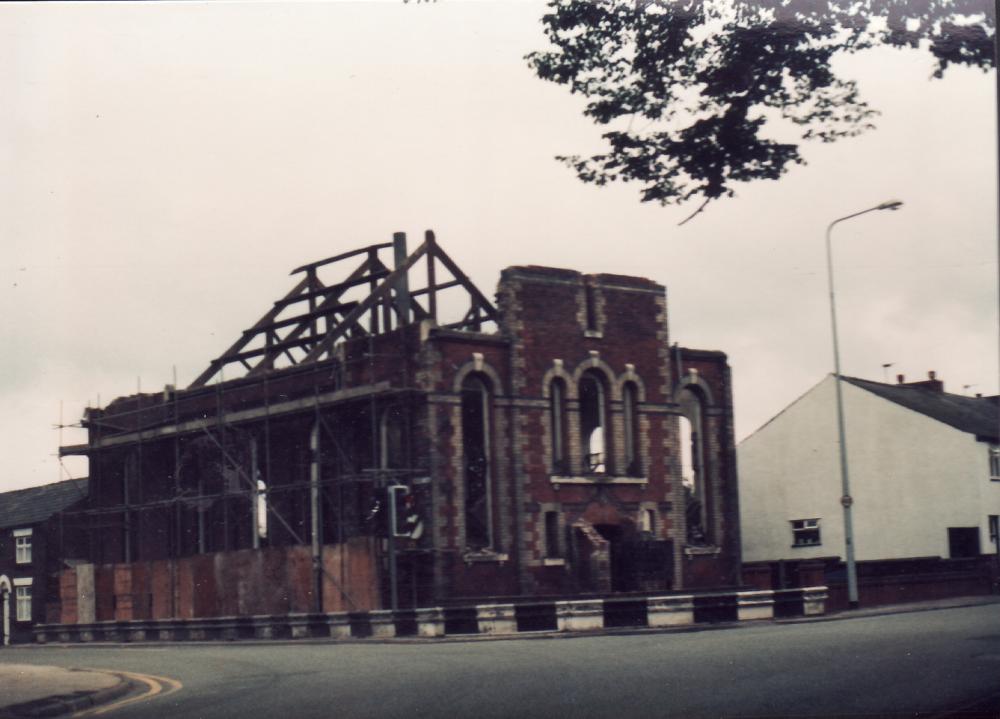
(593, 423)
(630, 412)
(557, 410)
(476, 450)
(693, 475)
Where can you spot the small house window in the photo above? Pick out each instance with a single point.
(805, 533)
(995, 462)
(552, 548)
(22, 543)
(23, 596)
(994, 529)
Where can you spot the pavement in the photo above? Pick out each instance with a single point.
(27, 690)
(48, 691)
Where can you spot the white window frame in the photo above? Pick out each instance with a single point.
(802, 526)
(22, 599)
(994, 459)
(22, 546)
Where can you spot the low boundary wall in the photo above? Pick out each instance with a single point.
(482, 619)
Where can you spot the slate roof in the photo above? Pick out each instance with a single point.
(25, 507)
(976, 415)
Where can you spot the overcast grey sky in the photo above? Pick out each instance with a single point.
(165, 165)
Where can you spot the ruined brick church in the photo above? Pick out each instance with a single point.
(539, 445)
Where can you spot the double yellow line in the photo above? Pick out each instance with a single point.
(155, 686)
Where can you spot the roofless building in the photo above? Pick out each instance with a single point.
(533, 447)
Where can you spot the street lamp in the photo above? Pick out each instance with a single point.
(845, 500)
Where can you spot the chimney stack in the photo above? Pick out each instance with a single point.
(932, 383)
(900, 379)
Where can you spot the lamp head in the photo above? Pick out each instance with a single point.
(890, 205)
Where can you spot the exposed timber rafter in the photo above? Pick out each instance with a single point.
(306, 324)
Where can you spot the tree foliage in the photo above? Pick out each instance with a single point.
(686, 88)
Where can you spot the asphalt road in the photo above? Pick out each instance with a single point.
(895, 665)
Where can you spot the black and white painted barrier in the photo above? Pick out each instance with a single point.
(482, 619)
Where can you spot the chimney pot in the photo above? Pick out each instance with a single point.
(931, 375)
(900, 378)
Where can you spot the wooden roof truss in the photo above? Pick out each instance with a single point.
(306, 324)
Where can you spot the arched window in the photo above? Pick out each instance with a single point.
(593, 423)
(557, 417)
(630, 416)
(476, 449)
(693, 475)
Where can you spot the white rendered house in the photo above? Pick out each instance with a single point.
(924, 474)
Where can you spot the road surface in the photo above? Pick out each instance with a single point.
(929, 662)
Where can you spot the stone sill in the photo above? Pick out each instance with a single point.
(598, 479)
(484, 556)
(702, 551)
(553, 562)
(593, 334)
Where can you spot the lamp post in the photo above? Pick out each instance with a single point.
(845, 500)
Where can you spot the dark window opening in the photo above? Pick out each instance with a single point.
(590, 299)
(552, 548)
(392, 439)
(557, 411)
(633, 466)
(476, 448)
(963, 542)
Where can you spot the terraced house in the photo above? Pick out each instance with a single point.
(355, 450)
(32, 553)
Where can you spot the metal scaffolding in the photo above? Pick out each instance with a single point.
(294, 366)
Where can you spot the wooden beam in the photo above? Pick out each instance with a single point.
(382, 292)
(342, 256)
(338, 288)
(478, 296)
(268, 361)
(244, 339)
